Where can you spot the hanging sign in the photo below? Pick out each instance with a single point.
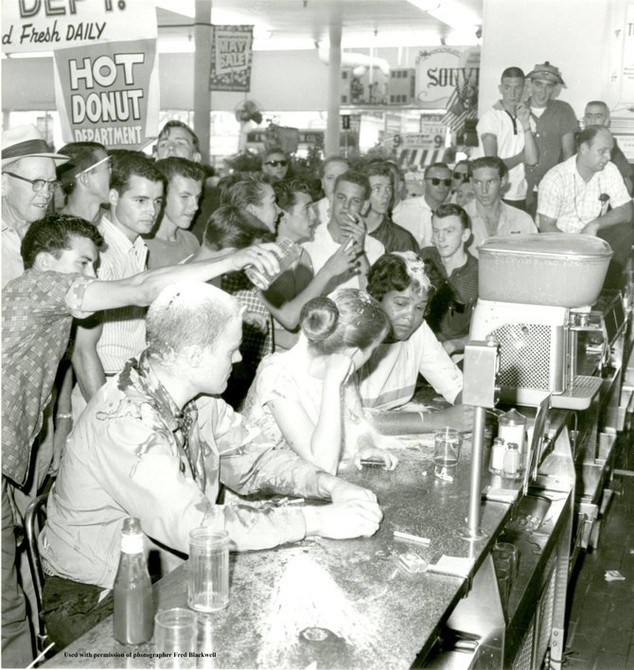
(231, 55)
(105, 64)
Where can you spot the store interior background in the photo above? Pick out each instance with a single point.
(586, 39)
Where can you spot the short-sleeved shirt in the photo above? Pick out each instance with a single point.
(572, 202)
(509, 134)
(513, 221)
(257, 337)
(123, 334)
(12, 264)
(415, 215)
(133, 452)
(162, 253)
(394, 237)
(557, 119)
(37, 314)
(322, 247)
(454, 302)
(285, 288)
(388, 379)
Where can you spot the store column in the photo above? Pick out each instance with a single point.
(334, 83)
(202, 68)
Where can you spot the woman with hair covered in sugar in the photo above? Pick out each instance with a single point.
(306, 398)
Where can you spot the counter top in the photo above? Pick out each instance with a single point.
(378, 615)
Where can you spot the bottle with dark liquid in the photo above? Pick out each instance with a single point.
(133, 606)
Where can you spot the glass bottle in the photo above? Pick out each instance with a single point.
(511, 460)
(133, 606)
(498, 449)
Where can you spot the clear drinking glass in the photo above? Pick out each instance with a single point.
(290, 253)
(447, 443)
(208, 570)
(175, 638)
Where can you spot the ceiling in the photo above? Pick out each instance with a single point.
(299, 24)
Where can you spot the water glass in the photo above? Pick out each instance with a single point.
(175, 636)
(208, 570)
(447, 444)
(290, 253)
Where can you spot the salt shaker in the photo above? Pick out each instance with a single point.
(496, 465)
(511, 460)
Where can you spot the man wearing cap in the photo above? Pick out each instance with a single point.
(586, 193)
(85, 179)
(553, 123)
(28, 184)
(504, 131)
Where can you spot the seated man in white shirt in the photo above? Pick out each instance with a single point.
(585, 193)
(346, 226)
(388, 380)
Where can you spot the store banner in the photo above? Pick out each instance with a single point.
(231, 56)
(105, 64)
(448, 78)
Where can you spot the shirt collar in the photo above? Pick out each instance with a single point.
(139, 376)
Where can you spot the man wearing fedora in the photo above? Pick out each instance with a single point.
(553, 123)
(28, 185)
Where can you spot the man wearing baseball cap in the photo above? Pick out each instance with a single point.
(28, 184)
(554, 124)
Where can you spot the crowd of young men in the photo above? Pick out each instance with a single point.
(121, 240)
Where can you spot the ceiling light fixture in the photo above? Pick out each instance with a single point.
(451, 12)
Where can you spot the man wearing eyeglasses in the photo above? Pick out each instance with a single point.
(275, 164)
(415, 214)
(28, 184)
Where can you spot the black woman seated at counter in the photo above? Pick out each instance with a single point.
(155, 442)
(307, 398)
(399, 282)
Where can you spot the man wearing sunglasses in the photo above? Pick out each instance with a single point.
(275, 164)
(415, 214)
(28, 184)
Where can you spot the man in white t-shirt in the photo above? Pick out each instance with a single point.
(350, 194)
(505, 131)
(332, 167)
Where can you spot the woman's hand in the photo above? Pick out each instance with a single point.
(264, 257)
(375, 454)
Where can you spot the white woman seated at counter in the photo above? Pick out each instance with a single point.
(388, 380)
(306, 398)
(153, 443)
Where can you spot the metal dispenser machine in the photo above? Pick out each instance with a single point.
(535, 293)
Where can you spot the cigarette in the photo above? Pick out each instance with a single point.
(412, 539)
